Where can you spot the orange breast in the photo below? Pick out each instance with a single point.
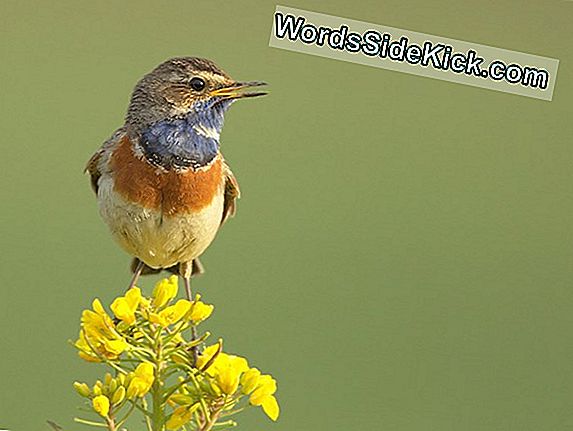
(171, 192)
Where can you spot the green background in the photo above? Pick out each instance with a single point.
(402, 255)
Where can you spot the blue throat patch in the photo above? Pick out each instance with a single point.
(189, 141)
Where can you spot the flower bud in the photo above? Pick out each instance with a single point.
(205, 385)
(178, 358)
(107, 379)
(101, 405)
(82, 389)
(180, 416)
(181, 399)
(132, 392)
(192, 391)
(121, 379)
(127, 380)
(214, 389)
(118, 395)
(96, 390)
(113, 386)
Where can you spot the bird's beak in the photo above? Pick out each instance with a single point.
(237, 90)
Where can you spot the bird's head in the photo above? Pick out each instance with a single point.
(186, 87)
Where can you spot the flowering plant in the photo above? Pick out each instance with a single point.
(159, 369)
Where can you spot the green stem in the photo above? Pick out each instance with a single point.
(157, 414)
(111, 424)
(211, 422)
(86, 422)
(203, 404)
(157, 417)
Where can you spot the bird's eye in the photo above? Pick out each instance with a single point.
(197, 84)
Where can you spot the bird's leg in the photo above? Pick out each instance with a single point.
(188, 291)
(185, 270)
(194, 349)
(136, 273)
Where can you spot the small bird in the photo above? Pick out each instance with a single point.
(162, 184)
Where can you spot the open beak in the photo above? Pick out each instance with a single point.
(239, 90)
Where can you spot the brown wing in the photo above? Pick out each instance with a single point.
(232, 193)
(93, 165)
(93, 169)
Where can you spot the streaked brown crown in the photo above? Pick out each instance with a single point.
(167, 90)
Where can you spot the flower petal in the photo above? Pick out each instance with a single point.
(271, 407)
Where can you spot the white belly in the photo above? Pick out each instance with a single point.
(158, 241)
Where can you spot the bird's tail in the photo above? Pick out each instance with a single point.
(198, 268)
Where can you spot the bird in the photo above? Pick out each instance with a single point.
(162, 184)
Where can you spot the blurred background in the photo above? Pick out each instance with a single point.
(402, 254)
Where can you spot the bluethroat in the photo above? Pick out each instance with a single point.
(162, 184)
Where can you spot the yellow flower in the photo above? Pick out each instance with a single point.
(124, 307)
(101, 405)
(171, 314)
(165, 290)
(271, 407)
(97, 323)
(267, 386)
(262, 395)
(144, 303)
(250, 380)
(223, 360)
(226, 369)
(179, 417)
(156, 318)
(108, 348)
(238, 363)
(228, 379)
(98, 308)
(142, 380)
(200, 311)
(84, 350)
(98, 337)
(114, 347)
